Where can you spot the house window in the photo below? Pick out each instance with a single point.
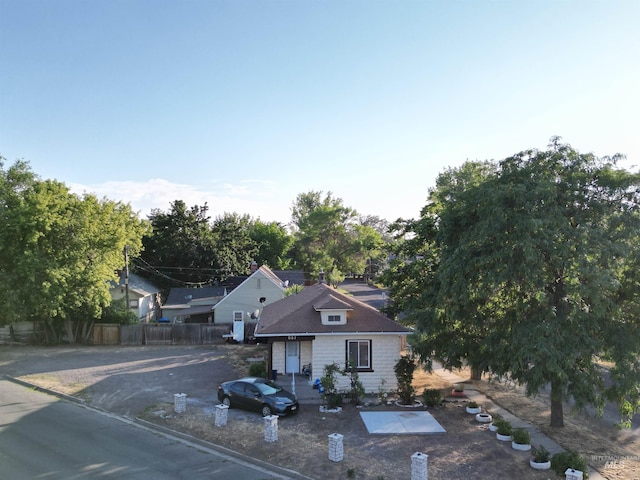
(359, 354)
(237, 316)
(333, 318)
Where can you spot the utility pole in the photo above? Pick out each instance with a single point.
(126, 276)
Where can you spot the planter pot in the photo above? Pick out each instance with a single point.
(504, 438)
(540, 465)
(483, 418)
(492, 427)
(457, 393)
(474, 410)
(523, 447)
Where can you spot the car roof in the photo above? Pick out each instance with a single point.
(251, 380)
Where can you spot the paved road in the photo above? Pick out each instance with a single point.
(365, 293)
(44, 437)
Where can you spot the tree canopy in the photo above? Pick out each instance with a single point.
(58, 251)
(330, 237)
(528, 268)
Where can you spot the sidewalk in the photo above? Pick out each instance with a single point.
(537, 437)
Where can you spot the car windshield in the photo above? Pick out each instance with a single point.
(268, 388)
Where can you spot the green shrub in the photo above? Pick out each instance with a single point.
(540, 454)
(472, 404)
(258, 369)
(503, 426)
(334, 400)
(521, 436)
(570, 459)
(431, 397)
(404, 369)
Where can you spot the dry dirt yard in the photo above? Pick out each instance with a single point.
(467, 450)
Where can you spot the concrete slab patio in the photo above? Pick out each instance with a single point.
(401, 422)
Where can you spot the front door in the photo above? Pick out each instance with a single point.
(292, 352)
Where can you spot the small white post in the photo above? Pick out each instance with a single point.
(419, 467)
(222, 414)
(336, 449)
(271, 428)
(571, 474)
(179, 402)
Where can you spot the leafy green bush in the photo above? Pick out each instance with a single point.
(540, 454)
(569, 459)
(521, 436)
(431, 397)
(334, 400)
(404, 369)
(503, 426)
(258, 369)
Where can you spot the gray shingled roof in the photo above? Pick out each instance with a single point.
(299, 314)
(179, 296)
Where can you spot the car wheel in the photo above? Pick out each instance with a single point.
(226, 401)
(266, 410)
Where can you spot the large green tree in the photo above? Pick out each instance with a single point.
(535, 274)
(180, 248)
(58, 251)
(234, 249)
(329, 237)
(273, 244)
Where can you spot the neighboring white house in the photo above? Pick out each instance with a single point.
(321, 326)
(144, 297)
(246, 300)
(192, 305)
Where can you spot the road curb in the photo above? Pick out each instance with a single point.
(218, 449)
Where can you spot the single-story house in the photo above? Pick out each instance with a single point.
(321, 326)
(192, 305)
(144, 296)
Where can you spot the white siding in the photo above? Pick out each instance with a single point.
(246, 297)
(278, 360)
(385, 350)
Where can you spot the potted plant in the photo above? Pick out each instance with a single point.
(473, 408)
(492, 426)
(540, 458)
(504, 431)
(458, 390)
(521, 439)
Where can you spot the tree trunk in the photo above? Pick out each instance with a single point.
(476, 372)
(557, 417)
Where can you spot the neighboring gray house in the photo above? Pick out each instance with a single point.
(320, 325)
(144, 297)
(260, 288)
(192, 305)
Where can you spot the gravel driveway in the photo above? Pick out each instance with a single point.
(123, 380)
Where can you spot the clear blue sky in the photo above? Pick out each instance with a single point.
(245, 104)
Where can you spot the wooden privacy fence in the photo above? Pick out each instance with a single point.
(168, 334)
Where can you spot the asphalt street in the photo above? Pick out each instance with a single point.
(42, 436)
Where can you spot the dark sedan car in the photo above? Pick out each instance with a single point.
(259, 394)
